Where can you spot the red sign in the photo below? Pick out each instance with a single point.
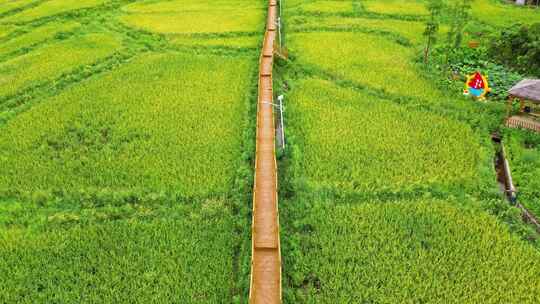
(477, 82)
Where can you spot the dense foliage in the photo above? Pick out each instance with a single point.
(518, 46)
(465, 61)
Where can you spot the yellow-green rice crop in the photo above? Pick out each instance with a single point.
(367, 59)
(52, 7)
(398, 7)
(233, 42)
(353, 141)
(182, 253)
(125, 155)
(412, 30)
(49, 62)
(194, 17)
(192, 5)
(36, 36)
(499, 14)
(213, 21)
(163, 123)
(8, 5)
(371, 141)
(409, 252)
(328, 6)
(5, 30)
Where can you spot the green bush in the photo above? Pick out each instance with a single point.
(519, 47)
(465, 61)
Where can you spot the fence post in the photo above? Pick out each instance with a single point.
(280, 98)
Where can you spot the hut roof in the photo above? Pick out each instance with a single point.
(527, 89)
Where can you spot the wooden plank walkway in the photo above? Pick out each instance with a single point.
(265, 286)
(523, 122)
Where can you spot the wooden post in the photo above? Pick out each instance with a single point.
(521, 105)
(509, 106)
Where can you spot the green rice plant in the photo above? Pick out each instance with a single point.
(164, 122)
(47, 63)
(523, 154)
(422, 251)
(8, 5)
(195, 16)
(7, 29)
(126, 156)
(396, 7)
(412, 30)
(180, 6)
(369, 145)
(501, 15)
(232, 42)
(382, 64)
(355, 142)
(196, 22)
(52, 7)
(182, 252)
(37, 36)
(328, 6)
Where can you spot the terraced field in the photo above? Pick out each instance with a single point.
(130, 131)
(126, 151)
(388, 178)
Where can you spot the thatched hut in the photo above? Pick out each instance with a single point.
(527, 92)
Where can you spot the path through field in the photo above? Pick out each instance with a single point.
(266, 259)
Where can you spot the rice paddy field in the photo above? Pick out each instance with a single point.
(389, 180)
(127, 148)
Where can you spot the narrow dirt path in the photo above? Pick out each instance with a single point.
(265, 284)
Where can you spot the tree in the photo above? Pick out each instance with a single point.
(432, 26)
(459, 14)
(518, 47)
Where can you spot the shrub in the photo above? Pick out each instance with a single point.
(519, 47)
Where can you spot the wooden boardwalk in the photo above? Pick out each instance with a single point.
(523, 122)
(265, 286)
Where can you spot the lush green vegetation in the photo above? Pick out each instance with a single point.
(389, 182)
(197, 16)
(94, 135)
(10, 5)
(519, 48)
(407, 251)
(503, 14)
(51, 8)
(132, 253)
(523, 149)
(51, 61)
(127, 144)
(41, 34)
(361, 143)
(126, 154)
